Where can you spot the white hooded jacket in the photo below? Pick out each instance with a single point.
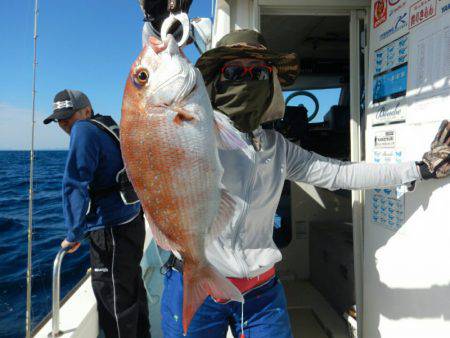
(245, 248)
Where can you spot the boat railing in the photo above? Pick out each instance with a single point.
(56, 287)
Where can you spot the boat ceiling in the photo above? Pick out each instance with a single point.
(321, 42)
(321, 37)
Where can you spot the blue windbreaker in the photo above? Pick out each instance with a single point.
(93, 160)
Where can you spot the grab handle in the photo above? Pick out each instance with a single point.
(56, 286)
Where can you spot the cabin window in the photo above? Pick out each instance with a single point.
(326, 97)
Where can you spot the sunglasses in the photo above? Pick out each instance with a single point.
(243, 73)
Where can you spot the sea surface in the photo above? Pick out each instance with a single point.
(48, 232)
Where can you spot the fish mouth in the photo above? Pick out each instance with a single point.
(157, 45)
(168, 44)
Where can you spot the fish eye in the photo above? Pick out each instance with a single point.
(141, 76)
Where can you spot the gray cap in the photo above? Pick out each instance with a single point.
(67, 102)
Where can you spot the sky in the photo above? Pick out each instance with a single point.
(85, 45)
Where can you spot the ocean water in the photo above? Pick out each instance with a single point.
(48, 232)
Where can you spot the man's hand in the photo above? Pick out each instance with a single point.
(72, 245)
(436, 162)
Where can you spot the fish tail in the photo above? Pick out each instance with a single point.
(201, 282)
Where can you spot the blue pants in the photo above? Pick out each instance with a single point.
(265, 313)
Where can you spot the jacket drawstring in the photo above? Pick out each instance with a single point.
(256, 141)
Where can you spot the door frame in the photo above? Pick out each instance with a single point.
(358, 19)
(358, 16)
(358, 11)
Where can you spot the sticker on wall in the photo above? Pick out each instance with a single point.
(429, 58)
(388, 114)
(385, 139)
(421, 11)
(445, 9)
(388, 204)
(379, 12)
(391, 70)
(396, 21)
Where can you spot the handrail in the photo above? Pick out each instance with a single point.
(56, 286)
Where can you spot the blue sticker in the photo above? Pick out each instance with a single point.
(446, 8)
(390, 84)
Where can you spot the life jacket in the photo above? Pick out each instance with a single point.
(123, 185)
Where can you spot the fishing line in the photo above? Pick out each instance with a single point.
(242, 321)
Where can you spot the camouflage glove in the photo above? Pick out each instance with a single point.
(436, 162)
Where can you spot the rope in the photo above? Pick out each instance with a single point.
(30, 200)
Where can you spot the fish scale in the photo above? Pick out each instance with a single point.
(169, 140)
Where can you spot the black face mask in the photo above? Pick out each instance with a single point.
(244, 102)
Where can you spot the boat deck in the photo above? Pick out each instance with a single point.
(311, 316)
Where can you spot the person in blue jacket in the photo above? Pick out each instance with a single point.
(94, 207)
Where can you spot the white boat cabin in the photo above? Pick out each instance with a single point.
(383, 252)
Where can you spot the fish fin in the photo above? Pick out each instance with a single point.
(201, 282)
(225, 215)
(228, 137)
(161, 239)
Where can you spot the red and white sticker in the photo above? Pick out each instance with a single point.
(421, 11)
(379, 12)
(393, 2)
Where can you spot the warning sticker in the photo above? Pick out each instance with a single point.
(396, 22)
(379, 12)
(385, 139)
(421, 11)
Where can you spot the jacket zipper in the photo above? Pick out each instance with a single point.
(244, 215)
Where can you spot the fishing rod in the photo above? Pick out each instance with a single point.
(31, 192)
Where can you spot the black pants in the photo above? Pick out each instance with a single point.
(117, 279)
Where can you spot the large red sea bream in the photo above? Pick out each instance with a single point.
(169, 136)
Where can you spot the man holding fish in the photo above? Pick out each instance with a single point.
(209, 177)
